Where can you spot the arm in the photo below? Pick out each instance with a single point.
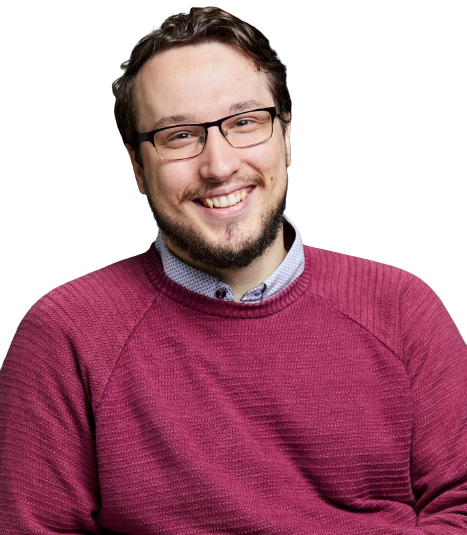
(48, 472)
(436, 360)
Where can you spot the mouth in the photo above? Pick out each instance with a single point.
(225, 201)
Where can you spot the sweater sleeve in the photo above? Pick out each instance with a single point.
(436, 360)
(48, 473)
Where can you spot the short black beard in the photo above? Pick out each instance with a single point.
(218, 257)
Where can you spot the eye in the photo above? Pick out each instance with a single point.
(244, 122)
(180, 136)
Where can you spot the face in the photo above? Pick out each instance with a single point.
(202, 83)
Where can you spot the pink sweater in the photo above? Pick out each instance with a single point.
(131, 405)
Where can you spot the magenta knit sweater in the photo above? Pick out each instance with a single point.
(130, 405)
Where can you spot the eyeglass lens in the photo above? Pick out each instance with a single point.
(244, 130)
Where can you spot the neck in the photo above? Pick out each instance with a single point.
(243, 279)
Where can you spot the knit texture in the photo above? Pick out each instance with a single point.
(130, 405)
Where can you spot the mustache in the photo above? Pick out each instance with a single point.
(193, 192)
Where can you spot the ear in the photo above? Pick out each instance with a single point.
(137, 169)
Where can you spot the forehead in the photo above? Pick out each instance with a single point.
(202, 82)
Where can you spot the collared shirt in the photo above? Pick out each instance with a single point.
(205, 284)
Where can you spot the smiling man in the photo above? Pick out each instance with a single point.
(230, 379)
(217, 188)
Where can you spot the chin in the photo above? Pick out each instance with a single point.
(235, 250)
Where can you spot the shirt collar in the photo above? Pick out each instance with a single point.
(205, 284)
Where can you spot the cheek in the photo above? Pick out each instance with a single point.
(266, 161)
(276, 167)
(169, 181)
(277, 153)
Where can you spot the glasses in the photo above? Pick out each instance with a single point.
(185, 141)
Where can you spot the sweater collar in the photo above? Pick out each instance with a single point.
(288, 297)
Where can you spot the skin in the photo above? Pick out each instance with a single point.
(204, 83)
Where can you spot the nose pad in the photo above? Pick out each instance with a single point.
(204, 137)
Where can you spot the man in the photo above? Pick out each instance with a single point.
(230, 380)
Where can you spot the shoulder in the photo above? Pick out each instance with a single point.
(342, 278)
(85, 323)
(121, 285)
(387, 301)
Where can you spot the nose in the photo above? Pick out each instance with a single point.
(219, 160)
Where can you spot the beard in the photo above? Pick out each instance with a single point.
(218, 256)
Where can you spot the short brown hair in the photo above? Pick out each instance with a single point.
(209, 24)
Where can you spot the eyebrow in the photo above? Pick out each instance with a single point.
(173, 120)
(170, 120)
(246, 105)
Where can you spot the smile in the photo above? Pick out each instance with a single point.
(225, 201)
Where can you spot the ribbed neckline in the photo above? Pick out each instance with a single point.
(214, 307)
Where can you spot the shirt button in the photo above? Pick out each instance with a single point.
(221, 293)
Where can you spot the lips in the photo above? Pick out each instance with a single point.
(227, 200)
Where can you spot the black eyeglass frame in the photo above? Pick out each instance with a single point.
(274, 111)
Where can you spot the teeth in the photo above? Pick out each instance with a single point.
(224, 201)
